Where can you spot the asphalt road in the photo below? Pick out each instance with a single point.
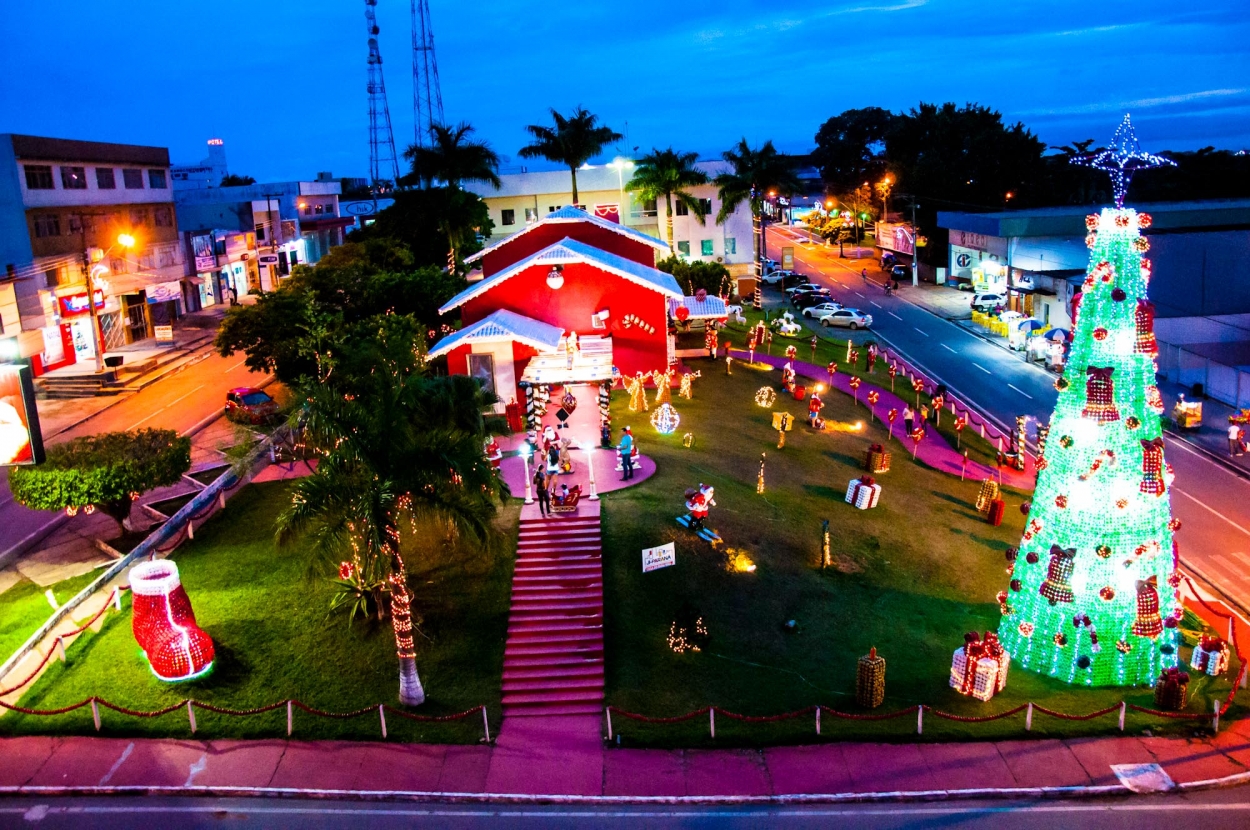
(177, 402)
(1212, 503)
(1210, 810)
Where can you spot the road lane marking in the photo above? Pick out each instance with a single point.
(1021, 391)
(235, 366)
(167, 406)
(1211, 509)
(922, 331)
(979, 366)
(874, 302)
(856, 293)
(949, 349)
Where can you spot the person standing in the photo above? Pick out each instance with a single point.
(542, 493)
(863, 275)
(626, 449)
(1235, 440)
(909, 416)
(924, 414)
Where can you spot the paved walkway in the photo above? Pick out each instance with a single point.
(933, 450)
(535, 765)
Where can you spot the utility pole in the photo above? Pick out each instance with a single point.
(915, 249)
(96, 341)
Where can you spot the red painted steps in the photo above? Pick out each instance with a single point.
(553, 658)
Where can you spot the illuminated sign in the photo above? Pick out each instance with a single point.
(21, 440)
(75, 304)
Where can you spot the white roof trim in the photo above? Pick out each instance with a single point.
(502, 325)
(569, 214)
(712, 307)
(569, 251)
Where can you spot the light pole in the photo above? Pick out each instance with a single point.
(915, 249)
(884, 186)
(620, 165)
(525, 461)
(590, 467)
(88, 271)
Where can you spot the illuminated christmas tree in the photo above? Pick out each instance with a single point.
(1093, 595)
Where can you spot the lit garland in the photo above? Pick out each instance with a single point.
(1101, 508)
(765, 397)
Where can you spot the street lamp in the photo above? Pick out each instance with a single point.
(526, 451)
(126, 241)
(589, 447)
(620, 165)
(884, 187)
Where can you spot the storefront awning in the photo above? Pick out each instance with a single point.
(592, 363)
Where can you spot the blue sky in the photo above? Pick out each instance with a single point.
(282, 82)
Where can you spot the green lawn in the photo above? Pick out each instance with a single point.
(911, 576)
(268, 616)
(24, 607)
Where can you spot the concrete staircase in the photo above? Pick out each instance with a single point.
(553, 658)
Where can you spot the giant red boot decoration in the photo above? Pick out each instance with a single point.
(164, 624)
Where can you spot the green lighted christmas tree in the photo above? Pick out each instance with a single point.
(1093, 594)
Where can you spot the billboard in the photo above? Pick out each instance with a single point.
(204, 252)
(75, 304)
(21, 440)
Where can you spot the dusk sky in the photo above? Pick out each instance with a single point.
(283, 82)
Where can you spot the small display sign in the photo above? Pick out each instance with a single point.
(21, 440)
(164, 334)
(664, 556)
(787, 259)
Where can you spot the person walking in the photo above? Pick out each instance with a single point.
(542, 493)
(909, 416)
(626, 449)
(1234, 440)
(863, 274)
(924, 414)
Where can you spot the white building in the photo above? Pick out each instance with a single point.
(525, 198)
(207, 173)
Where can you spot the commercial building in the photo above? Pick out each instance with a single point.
(1200, 251)
(247, 238)
(525, 198)
(206, 173)
(63, 205)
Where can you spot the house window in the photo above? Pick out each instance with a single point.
(47, 224)
(163, 216)
(156, 179)
(104, 178)
(79, 222)
(308, 210)
(682, 210)
(132, 178)
(705, 207)
(482, 369)
(145, 262)
(531, 215)
(551, 208)
(39, 177)
(260, 233)
(319, 209)
(74, 178)
(683, 248)
(508, 217)
(138, 216)
(55, 276)
(731, 246)
(705, 248)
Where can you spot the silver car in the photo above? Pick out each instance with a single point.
(851, 318)
(821, 309)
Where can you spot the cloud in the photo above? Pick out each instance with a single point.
(1139, 103)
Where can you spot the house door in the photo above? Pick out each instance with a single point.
(482, 368)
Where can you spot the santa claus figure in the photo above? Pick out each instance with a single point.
(493, 453)
(698, 502)
(814, 405)
(787, 376)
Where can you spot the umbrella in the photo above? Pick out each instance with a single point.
(1062, 335)
(1030, 324)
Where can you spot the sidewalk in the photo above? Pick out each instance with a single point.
(833, 771)
(1212, 436)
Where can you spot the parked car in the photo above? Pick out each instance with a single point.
(900, 272)
(770, 265)
(988, 301)
(803, 299)
(851, 318)
(821, 309)
(803, 286)
(249, 405)
(778, 276)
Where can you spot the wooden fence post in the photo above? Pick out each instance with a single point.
(1123, 709)
(607, 711)
(1028, 718)
(290, 717)
(190, 529)
(920, 719)
(191, 716)
(60, 648)
(95, 713)
(382, 717)
(712, 719)
(117, 598)
(817, 720)
(486, 724)
(1215, 721)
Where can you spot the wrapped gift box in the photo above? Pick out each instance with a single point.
(877, 459)
(987, 675)
(870, 680)
(1210, 656)
(863, 492)
(1172, 690)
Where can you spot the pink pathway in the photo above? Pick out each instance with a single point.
(933, 449)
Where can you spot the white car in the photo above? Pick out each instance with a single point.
(988, 301)
(851, 318)
(820, 310)
(775, 277)
(804, 286)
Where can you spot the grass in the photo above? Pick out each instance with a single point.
(910, 577)
(25, 607)
(275, 639)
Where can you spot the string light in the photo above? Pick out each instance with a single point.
(665, 419)
(765, 397)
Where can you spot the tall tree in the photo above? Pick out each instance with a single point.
(571, 140)
(669, 174)
(430, 220)
(401, 456)
(756, 172)
(453, 157)
(850, 148)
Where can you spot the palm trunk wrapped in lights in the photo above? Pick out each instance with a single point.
(410, 691)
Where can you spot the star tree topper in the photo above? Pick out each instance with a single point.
(1122, 159)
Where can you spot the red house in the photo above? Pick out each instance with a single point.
(571, 300)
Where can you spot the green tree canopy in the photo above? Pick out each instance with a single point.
(452, 157)
(231, 180)
(427, 220)
(850, 148)
(571, 140)
(107, 471)
(669, 174)
(756, 171)
(712, 277)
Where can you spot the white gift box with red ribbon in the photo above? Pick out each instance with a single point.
(863, 492)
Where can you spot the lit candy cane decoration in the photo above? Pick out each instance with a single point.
(892, 372)
(917, 386)
(1105, 457)
(890, 416)
(1083, 620)
(873, 397)
(854, 384)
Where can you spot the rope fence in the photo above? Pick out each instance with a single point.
(290, 704)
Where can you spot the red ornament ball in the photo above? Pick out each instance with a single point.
(1012, 553)
(1118, 295)
(1025, 507)
(1170, 622)
(1121, 220)
(1103, 551)
(1031, 557)
(1061, 384)
(1132, 422)
(1123, 646)
(1144, 220)
(1107, 593)
(1121, 503)
(1100, 334)
(1061, 501)
(1026, 628)
(1016, 585)
(1175, 524)
(1091, 221)
(1061, 639)
(682, 313)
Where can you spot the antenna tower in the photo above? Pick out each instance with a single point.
(427, 94)
(383, 163)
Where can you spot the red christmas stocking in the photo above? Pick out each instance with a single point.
(164, 625)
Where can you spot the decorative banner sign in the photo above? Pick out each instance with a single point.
(204, 251)
(164, 334)
(75, 304)
(662, 557)
(21, 440)
(787, 259)
(610, 212)
(164, 292)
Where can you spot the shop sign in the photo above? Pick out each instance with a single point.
(787, 259)
(977, 242)
(664, 556)
(164, 292)
(268, 259)
(21, 440)
(75, 304)
(164, 334)
(359, 208)
(205, 256)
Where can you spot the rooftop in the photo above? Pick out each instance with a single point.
(1069, 220)
(39, 148)
(591, 177)
(569, 214)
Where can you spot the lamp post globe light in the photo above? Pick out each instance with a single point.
(90, 272)
(589, 447)
(526, 450)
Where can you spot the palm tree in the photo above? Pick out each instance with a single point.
(668, 173)
(755, 174)
(453, 158)
(572, 141)
(399, 450)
